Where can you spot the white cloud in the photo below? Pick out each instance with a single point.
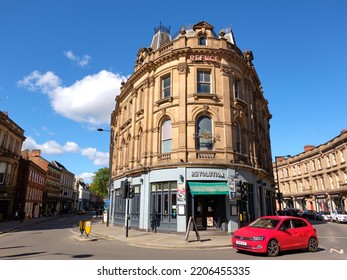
(54, 148)
(36, 81)
(86, 176)
(90, 100)
(80, 61)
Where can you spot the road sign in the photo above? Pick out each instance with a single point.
(232, 185)
(107, 202)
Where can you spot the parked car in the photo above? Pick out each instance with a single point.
(291, 212)
(81, 212)
(323, 216)
(273, 234)
(309, 214)
(339, 216)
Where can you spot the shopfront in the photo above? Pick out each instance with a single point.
(173, 196)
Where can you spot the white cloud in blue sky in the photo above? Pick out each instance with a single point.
(89, 100)
(80, 61)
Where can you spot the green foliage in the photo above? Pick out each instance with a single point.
(99, 186)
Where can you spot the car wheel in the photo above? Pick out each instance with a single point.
(312, 245)
(273, 248)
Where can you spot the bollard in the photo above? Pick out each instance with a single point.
(85, 226)
(81, 226)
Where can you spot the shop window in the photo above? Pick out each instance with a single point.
(164, 201)
(135, 203)
(204, 139)
(204, 81)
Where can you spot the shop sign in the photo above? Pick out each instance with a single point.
(204, 57)
(208, 174)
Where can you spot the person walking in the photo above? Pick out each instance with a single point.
(21, 216)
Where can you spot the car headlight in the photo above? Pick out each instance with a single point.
(258, 238)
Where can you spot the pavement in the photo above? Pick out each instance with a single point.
(209, 239)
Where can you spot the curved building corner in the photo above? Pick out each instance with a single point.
(191, 126)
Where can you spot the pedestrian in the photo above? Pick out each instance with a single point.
(21, 216)
(16, 215)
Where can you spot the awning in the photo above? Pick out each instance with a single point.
(203, 188)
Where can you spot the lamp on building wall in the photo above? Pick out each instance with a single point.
(181, 178)
(110, 180)
(279, 193)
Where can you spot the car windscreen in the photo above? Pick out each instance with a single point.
(265, 223)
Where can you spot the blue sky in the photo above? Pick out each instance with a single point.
(62, 62)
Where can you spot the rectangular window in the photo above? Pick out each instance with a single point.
(237, 89)
(4, 140)
(166, 87)
(2, 172)
(166, 137)
(204, 81)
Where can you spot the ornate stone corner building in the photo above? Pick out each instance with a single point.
(316, 179)
(190, 122)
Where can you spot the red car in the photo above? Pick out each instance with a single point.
(272, 234)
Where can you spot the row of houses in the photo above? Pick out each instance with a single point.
(315, 179)
(31, 184)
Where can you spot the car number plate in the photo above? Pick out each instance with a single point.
(243, 243)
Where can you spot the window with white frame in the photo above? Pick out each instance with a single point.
(166, 86)
(204, 81)
(166, 137)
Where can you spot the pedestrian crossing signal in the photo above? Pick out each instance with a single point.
(124, 189)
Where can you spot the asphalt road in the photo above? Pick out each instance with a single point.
(54, 240)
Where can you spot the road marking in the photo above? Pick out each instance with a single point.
(342, 237)
(334, 250)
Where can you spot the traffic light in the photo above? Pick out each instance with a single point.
(241, 190)
(124, 189)
(131, 191)
(244, 192)
(239, 187)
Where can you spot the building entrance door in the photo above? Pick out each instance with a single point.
(209, 211)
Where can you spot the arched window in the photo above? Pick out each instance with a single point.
(202, 41)
(166, 137)
(204, 139)
(238, 138)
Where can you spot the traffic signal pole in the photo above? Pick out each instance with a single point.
(127, 218)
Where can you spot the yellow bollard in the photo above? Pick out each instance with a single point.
(88, 227)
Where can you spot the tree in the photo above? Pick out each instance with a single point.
(99, 186)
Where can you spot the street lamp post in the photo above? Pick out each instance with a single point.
(110, 179)
(279, 198)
